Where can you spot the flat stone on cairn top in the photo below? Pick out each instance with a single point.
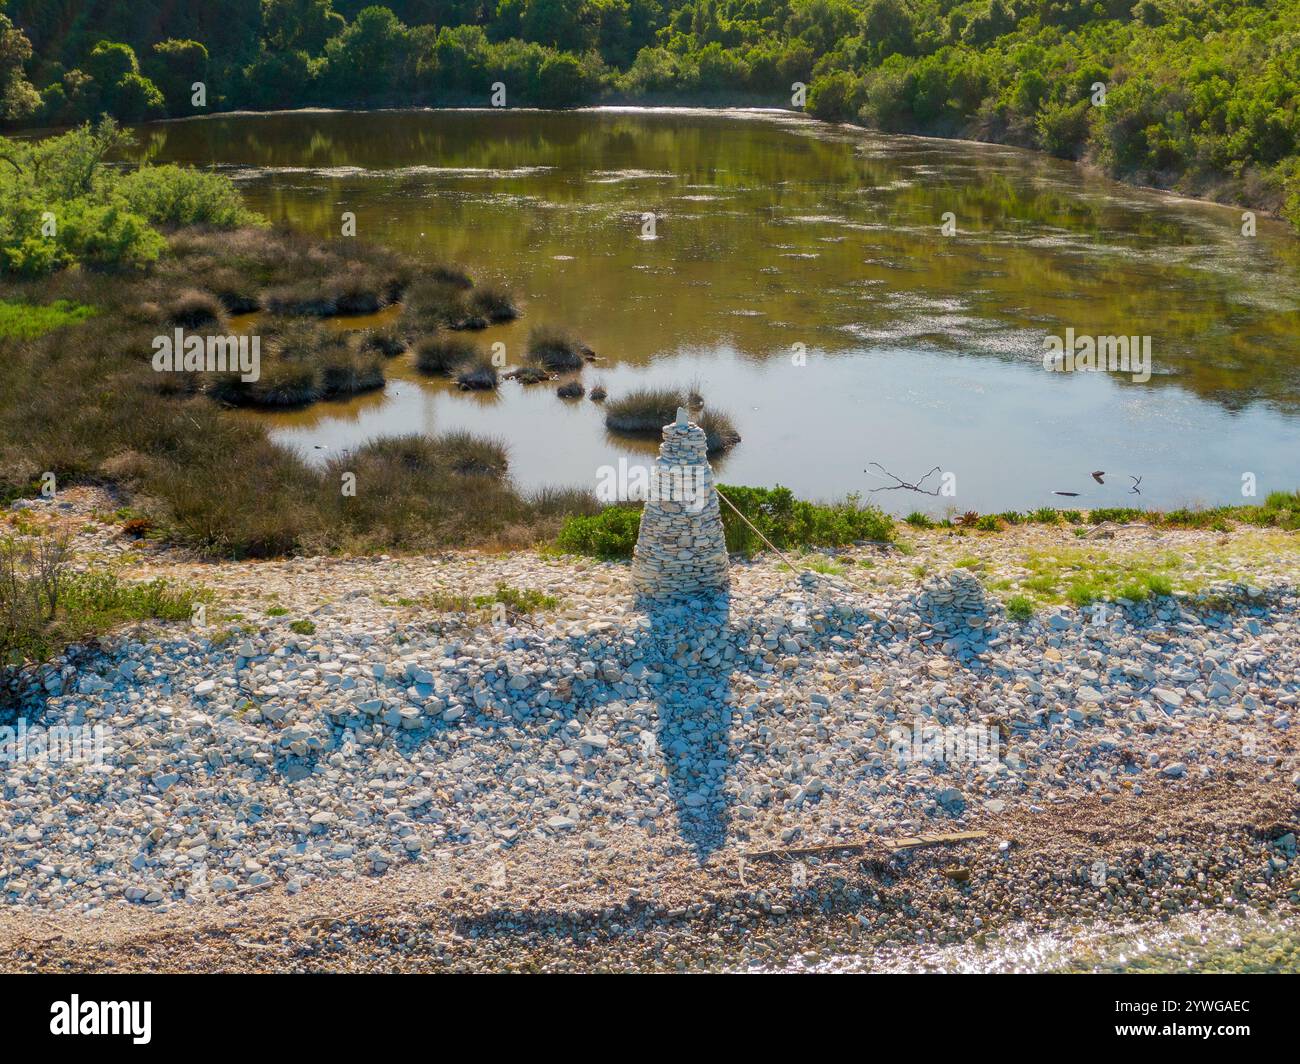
(681, 549)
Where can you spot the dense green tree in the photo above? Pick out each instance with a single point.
(300, 25)
(821, 24)
(18, 100)
(612, 21)
(117, 86)
(109, 62)
(175, 66)
(887, 27)
(561, 24)
(369, 58)
(279, 79)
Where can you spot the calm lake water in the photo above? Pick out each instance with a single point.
(772, 230)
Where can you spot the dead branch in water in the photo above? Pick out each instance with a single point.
(900, 483)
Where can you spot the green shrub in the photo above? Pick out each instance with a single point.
(516, 600)
(1123, 514)
(103, 217)
(611, 533)
(790, 522)
(176, 196)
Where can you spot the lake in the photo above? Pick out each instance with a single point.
(801, 275)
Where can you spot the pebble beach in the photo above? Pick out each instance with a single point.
(336, 772)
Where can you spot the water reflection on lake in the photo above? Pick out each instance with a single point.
(775, 234)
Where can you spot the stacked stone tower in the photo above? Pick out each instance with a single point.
(680, 550)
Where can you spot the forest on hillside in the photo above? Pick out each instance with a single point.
(1194, 95)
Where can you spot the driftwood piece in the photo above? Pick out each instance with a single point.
(900, 483)
(907, 842)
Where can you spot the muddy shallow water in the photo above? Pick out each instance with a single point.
(774, 236)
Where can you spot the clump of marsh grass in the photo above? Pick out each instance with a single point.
(646, 411)
(300, 299)
(495, 304)
(719, 431)
(345, 372)
(555, 349)
(355, 294)
(302, 363)
(694, 397)
(434, 305)
(470, 455)
(570, 390)
(443, 355)
(346, 293)
(478, 374)
(421, 488)
(196, 309)
(387, 342)
(237, 293)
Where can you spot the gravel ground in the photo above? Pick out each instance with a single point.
(409, 787)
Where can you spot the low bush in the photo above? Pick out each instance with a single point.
(790, 522)
(609, 534)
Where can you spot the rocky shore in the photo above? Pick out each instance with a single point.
(339, 770)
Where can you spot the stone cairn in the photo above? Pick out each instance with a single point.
(680, 549)
(954, 601)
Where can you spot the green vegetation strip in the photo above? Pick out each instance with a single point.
(26, 321)
(785, 521)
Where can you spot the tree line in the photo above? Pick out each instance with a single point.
(1185, 94)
